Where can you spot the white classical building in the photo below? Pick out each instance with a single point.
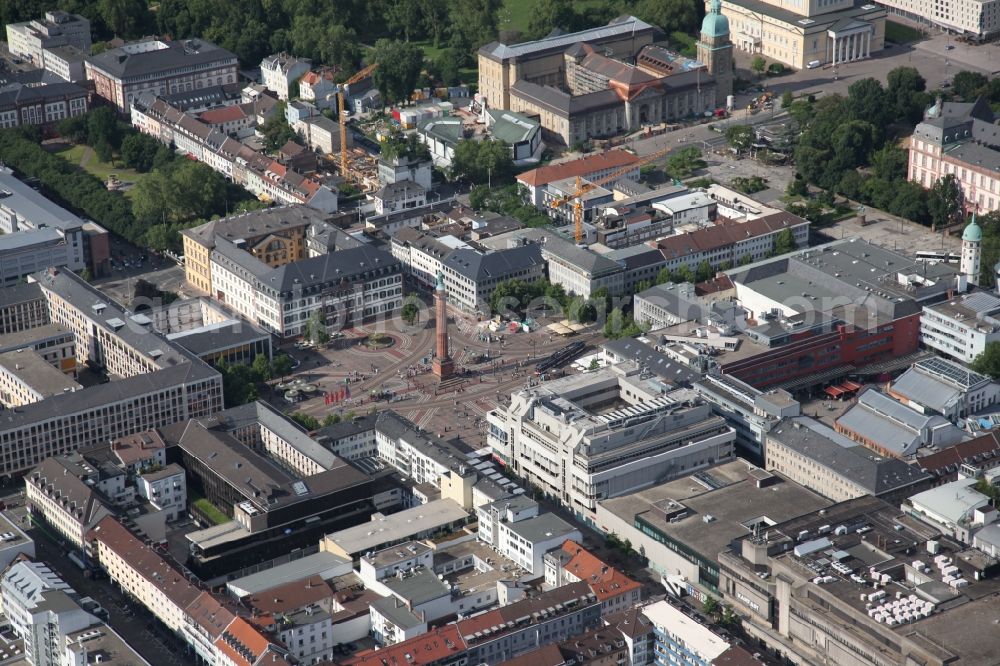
(279, 71)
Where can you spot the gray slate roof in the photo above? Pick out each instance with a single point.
(20, 293)
(187, 53)
(493, 265)
(562, 103)
(331, 268)
(218, 336)
(926, 390)
(31, 206)
(623, 25)
(657, 362)
(832, 450)
(542, 527)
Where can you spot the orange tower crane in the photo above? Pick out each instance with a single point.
(582, 188)
(360, 76)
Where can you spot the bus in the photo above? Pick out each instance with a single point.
(938, 255)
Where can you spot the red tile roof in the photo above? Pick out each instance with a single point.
(137, 447)
(145, 561)
(713, 286)
(291, 596)
(425, 649)
(208, 613)
(548, 655)
(242, 642)
(222, 114)
(724, 233)
(963, 452)
(605, 581)
(612, 159)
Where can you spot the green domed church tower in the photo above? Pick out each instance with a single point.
(716, 50)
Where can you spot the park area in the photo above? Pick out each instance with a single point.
(84, 157)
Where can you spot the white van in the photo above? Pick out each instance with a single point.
(812, 64)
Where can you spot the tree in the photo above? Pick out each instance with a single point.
(867, 100)
(911, 201)
(162, 237)
(944, 201)
(149, 198)
(409, 311)
(889, 162)
(403, 16)
(509, 201)
(704, 271)
(729, 618)
(238, 387)
(409, 147)
(105, 153)
(852, 143)
(261, 367)
(194, 190)
(581, 310)
(399, 65)
(812, 163)
(481, 162)
(307, 421)
(102, 126)
(801, 111)
(315, 329)
(86, 275)
(331, 419)
(281, 365)
(786, 99)
(987, 362)
(682, 163)
(446, 67)
(73, 128)
(758, 65)
(710, 607)
(784, 242)
(797, 187)
(124, 18)
(547, 15)
(473, 23)
(904, 91)
(139, 150)
(739, 137)
(682, 274)
(969, 85)
(276, 130)
(670, 15)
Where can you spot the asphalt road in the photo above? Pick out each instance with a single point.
(130, 619)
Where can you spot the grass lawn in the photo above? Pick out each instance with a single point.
(898, 33)
(74, 155)
(210, 511)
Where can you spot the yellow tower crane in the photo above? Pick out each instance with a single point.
(582, 188)
(360, 76)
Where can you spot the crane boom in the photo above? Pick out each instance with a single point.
(359, 76)
(582, 188)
